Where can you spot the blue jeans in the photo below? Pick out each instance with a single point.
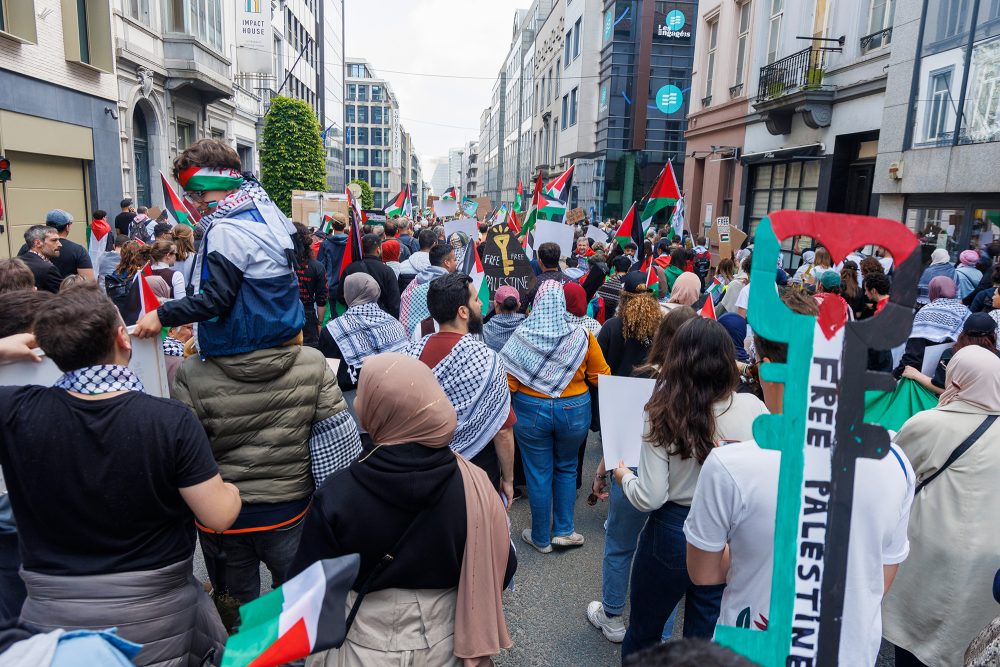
(660, 579)
(549, 431)
(625, 523)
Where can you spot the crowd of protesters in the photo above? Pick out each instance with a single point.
(321, 408)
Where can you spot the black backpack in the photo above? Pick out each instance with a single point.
(119, 287)
(702, 265)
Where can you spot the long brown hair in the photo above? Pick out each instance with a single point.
(699, 371)
(849, 280)
(183, 240)
(823, 258)
(661, 341)
(131, 259)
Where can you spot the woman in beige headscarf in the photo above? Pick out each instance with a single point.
(687, 289)
(941, 597)
(438, 602)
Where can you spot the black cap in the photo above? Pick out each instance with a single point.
(979, 324)
(634, 282)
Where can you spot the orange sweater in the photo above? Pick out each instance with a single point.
(592, 366)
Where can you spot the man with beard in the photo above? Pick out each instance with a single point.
(473, 378)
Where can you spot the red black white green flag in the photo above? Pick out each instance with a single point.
(630, 231)
(398, 205)
(352, 253)
(176, 207)
(664, 194)
(450, 194)
(519, 198)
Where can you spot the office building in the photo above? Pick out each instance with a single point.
(373, 135)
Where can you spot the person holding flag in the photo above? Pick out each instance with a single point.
(519, 198)
(664, 194)
(246, 295)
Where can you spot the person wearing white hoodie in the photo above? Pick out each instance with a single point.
(418, 261)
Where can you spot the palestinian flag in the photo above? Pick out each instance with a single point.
(473, 267)
(631, 232)
(677, 219)
(513, 224)
(653, 279)
(176, 207)
(141, 299)
(519, 198)
(664, 194)
(559, 187)
(408, 204)
(708, 310)
(450, 194)
(399, 204)
(327, 225)
(552, 201)
(306, 615)
(99, 241)
(352, 253)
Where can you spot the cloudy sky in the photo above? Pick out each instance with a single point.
(441, 37)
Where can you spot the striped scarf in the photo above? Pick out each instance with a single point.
(940, 320)
(498, 330)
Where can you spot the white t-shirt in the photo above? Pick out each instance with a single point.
(734, 504)
(743, 298)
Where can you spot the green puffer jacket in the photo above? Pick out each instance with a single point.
(258, 409)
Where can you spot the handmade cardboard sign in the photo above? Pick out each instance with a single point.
(724, 238)
(147, 363)
(505, 263)
(575, 215)
(483, 207)
(469, 207)
(821, 433)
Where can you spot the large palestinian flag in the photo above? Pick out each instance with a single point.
(450, 194)
(304, 616)
(400, 204)
(99, 241)
(554, 198)
(353, 252)
(176, 207)
(664, 194)
(629, 231)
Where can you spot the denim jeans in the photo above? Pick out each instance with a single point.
(660, 579)
(244, 552)
(549, 431)
(12, 591)
(624, 524)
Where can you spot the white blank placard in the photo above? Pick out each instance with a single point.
(468, 225)
(623, 405)
(555, 232)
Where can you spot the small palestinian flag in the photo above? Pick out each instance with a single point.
(450, 194)
(204, 179)
(99, 240)
(473, 267)
(664, 194)
(708, 310)
(177, 207)
(513, 224)
(141, 299)
(653, 279)
(352, 253)
(519, 198)
(398, 204)
(631, 232)
(306, 615)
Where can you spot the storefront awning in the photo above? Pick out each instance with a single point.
(781, 154)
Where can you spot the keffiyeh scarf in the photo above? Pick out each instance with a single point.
(940, 320)
(413, 302)
(475, 381)
(94, 380)
(498, 330)
(585, 321)
(173, 347)
(364, 330)
(545, 351)
(995, 314)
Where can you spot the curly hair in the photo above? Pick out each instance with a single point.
(640, 314)
(699, 371)
(871, 265)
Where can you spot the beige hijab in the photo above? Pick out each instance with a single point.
(973, 376)
(399, 400)
(687, 289)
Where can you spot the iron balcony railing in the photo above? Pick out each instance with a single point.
(876, 40)
(799, 71)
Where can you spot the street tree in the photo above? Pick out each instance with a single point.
(291, 151)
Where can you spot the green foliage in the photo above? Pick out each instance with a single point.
(367, 196)
(291, 151)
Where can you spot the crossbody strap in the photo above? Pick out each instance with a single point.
(961, 449)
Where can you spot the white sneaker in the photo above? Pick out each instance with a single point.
(573, 540)
(612, 627)
(526, 536)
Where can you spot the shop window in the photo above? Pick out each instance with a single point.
(937, 228)
(783, 185)
(985, 227)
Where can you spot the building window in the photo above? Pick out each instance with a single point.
(349, 113)
(774, 30)
(185, 134)
(742, 42)
(363, 136)
(572, 106)
(577, 28)
(205, 21)
(565, 110)
(376, 93)
(376, 112)
(960, 46)
(363, 157)
(879, 18)
(219, 135)
(783, 185)
(713, 43)
(548, 97)
(568, 47)
(139, 10)
(362, 93)
(558, 83)
(82, 32)
(17, 19)
(377, 199)
(377, 134)
(352, 92)
(356, 71)
(362, 113)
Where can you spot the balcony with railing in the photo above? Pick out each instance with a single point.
(876, 40)
(793, 85)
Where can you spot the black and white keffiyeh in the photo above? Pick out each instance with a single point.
(173, 347)
(364, 330)
(94, 380)
(940, 320)
(475, 381)
(334, 444)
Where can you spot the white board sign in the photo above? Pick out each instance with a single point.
(932, 355)
(623, 405)
(597, 234)
(254, 40)
(547, 231)
(147, 363)
(468, 225)
(445, 209)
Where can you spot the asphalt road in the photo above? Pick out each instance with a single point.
(546, 611)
